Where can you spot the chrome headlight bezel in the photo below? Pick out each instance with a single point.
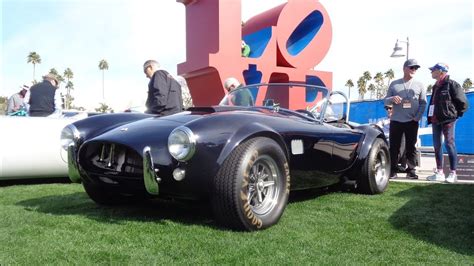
(69, 135)
(182, 143)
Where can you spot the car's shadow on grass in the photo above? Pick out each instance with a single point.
(34, 181)
(155, 211)
(439, 214)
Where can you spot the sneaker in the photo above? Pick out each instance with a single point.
(452, 178)
(436, 177)
(401, 169)
(411, 175)
(393, 176)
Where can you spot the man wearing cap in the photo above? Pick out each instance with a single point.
(16, 101)
(408, 98)
(44, 99)
(164, 92)
(448, 102)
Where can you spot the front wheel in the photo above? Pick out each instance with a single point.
(251, 189)
(376, 169)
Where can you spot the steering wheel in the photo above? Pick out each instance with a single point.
(307, 113)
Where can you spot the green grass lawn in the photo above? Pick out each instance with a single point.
(410, 223)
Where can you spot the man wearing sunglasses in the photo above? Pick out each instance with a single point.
(448, 102)
(408, 98)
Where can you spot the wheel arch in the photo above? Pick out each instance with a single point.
(371, 133)
(250, 131)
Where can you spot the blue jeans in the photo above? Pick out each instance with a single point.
(448, 132)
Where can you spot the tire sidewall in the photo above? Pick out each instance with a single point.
(259, 148)
(375, 187)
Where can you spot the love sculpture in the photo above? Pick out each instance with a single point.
(286, 43)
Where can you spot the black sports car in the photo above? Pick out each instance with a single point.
(244, 159)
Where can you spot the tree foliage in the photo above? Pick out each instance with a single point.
(104, 108)
(103, 65)
(349, 85)
(467, 84)
(68, 74)
(33, 58)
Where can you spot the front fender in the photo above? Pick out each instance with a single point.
(246, 132)
(98, 124)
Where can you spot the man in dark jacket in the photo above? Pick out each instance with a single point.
(43, 99)
(448, 103)
(164, 92)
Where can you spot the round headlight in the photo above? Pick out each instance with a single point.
(181, 144)
(68, 134)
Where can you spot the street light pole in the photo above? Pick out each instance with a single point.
(397, 50)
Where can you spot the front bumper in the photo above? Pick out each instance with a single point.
(73, 168)
(150, 173)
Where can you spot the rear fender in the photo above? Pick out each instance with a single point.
(371, 133)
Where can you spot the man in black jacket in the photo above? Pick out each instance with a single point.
(164, 92)
(43, 99)
(448, 103)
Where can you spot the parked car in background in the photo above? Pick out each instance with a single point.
(244, 160)
(30, 147)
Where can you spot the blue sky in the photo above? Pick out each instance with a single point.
(79, 33)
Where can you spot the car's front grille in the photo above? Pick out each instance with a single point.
(112, 160)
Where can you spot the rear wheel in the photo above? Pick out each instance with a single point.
(251, 188)
(376, 169)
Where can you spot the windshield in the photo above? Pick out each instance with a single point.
(291, 96)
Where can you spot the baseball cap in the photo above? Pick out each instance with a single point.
(411, 63)
(440, 66)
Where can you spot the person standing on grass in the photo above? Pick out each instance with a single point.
(408, 98)
(448, 103)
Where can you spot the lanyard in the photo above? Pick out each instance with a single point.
(406, 90)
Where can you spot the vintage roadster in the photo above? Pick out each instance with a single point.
(244, 159)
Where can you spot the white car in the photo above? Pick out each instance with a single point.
(30, 147)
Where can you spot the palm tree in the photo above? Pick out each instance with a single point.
(68, 74)
(69, 87)
(103, 65)
(34, 58)
(349, 85)
(380, 86)
(389, 75)
(371, 88)
(362, 84)
(467, 84)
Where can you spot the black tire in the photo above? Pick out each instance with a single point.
(376, 169)
(251, 188)
(104, 196)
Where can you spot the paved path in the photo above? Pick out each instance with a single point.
(426, 168)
